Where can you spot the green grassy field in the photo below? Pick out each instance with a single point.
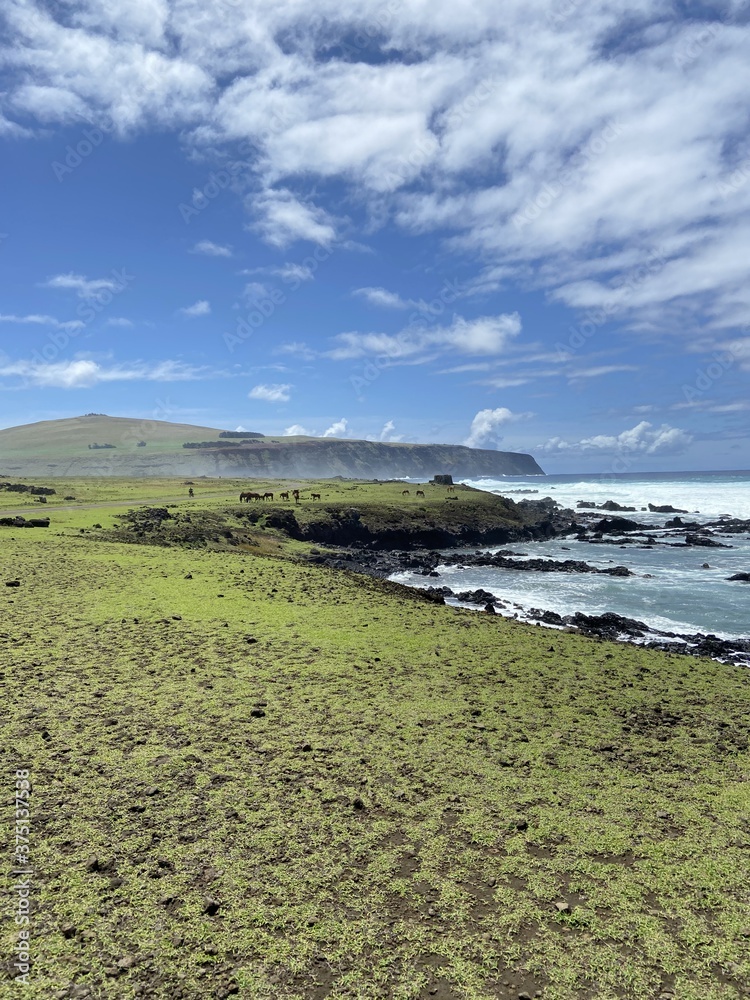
(258, 777)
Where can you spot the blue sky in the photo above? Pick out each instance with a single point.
(522, 227)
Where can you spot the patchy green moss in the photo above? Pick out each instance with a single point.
(384, 798)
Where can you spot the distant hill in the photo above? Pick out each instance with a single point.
(156, 448)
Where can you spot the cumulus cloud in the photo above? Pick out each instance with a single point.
(297, 430)
(387, 434)
(284, 218)
(271, 393)
(294, 272)
(83, 373)
(485, 426)
(209, 249)
(337, 429)
(382, 297)
(484, 335)
(200, 308)
(644, 438)
(121, 321)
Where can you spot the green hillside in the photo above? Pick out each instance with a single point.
(156, 448)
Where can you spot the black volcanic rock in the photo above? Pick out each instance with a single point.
(476, 597)
(608, 625)
(665, 509)
(740, 578)
(704, 541)
(618, 525)
(533, 565)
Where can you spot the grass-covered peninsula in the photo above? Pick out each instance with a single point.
(259, 777)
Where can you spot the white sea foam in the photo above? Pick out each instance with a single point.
(671, 590)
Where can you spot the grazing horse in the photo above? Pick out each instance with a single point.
(267, 496)
(420, 493)
(190, 492)
(284, 496)
(404, 493)
(451, 489)
(315, 496)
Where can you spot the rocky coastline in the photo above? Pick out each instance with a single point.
(374, 556)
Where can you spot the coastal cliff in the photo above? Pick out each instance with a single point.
(98, 445)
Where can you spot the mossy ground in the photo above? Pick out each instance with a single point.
(385, 798)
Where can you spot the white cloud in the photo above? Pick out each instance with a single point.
(486, 424)
(83, 373)
(484, 335)
(271, 393)
(337, 429)
(283, 218)
(119, 321)
(209, 249)
(382, 297)
(387, 434)
(294, 272)
(200, 308)
(505, 381)
(298, 348)
(546, 142)
(40, 320)
(254, 291)
(598, 371)
(296, 430)
(643, 438)
(85, 288)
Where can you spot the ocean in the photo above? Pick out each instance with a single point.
(671, 590)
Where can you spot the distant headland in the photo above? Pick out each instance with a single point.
(98, 445)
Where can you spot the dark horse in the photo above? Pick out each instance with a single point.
(247, 497)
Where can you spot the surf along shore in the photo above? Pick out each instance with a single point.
(256, 774)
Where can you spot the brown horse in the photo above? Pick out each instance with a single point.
(315, 496)
(284, 496)
(267, 496)
(247, 497)
(451, 489)
(420, 493)
(404, 493)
